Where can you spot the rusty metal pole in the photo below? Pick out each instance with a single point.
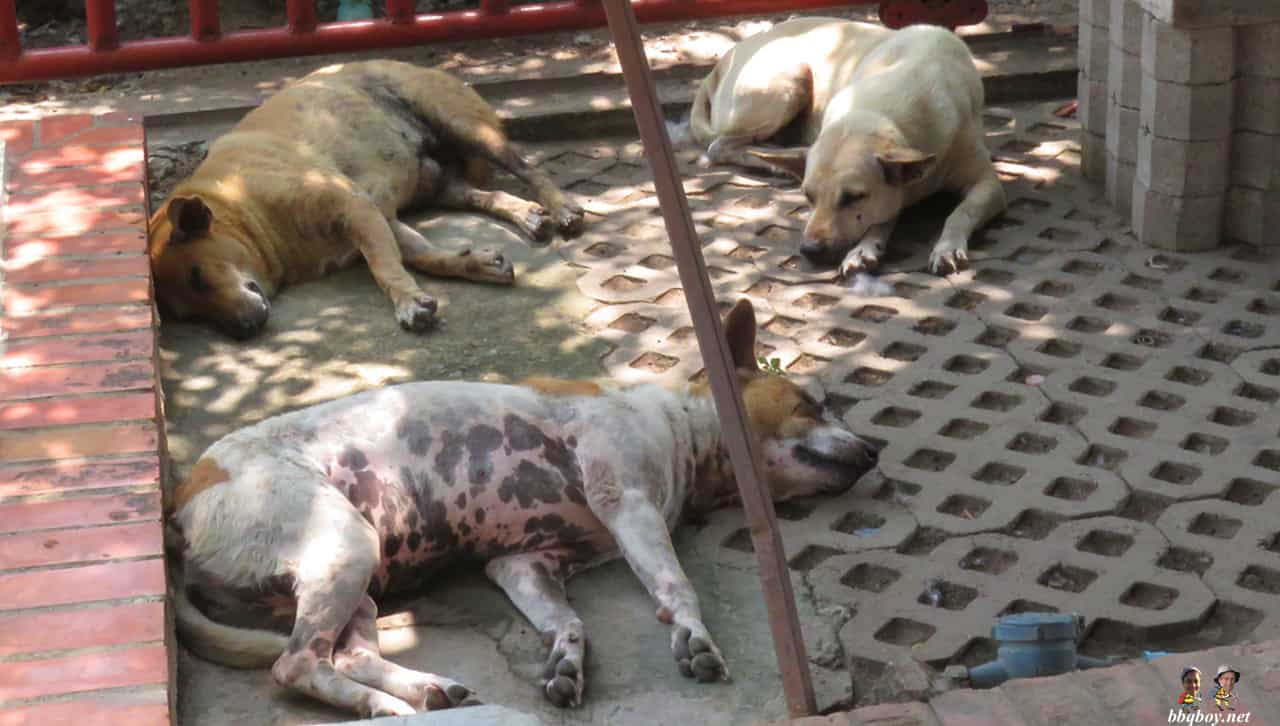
(784, 623)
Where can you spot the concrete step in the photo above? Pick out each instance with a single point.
(1026, 63)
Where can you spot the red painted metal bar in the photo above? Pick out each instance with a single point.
(301, 15)
(494, 7)
(400, 11)
(10, 38)
(205, 24)
(73, 61)
(784, 622)
(100, 20)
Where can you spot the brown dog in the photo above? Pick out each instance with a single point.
(313, 179)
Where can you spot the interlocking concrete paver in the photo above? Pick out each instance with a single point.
(1067, 425)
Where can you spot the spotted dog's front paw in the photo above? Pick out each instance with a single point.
(948, 257)
(417, 313)
(697, 656)
(444, 693)
(562, 677)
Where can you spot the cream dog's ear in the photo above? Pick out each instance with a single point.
(903, 164)
(788, 161)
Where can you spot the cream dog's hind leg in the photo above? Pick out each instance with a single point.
(765, 97)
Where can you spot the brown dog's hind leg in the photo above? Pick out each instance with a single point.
(565, 213)
(768, 97)
(482, 265)
(359, 658)
(530, 217)
(527, 580)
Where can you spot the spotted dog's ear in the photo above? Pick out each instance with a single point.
(190, 218)
(740, 329)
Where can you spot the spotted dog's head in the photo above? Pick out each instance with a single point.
(805, 448)
(203, 270)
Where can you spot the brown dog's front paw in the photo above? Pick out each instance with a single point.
(488, 265)
(570, 220)
(562, 679)
(417, 314)
(697, 657)
(538, 225)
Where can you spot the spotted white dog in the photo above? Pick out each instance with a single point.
(288, 532)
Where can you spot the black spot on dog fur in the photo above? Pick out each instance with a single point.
(414, 541)
(391, 547)
(416, 434)
(461, 501)
(522, 434)
(528, 484)
(322, 647)
(550, 522)
(559, 456)
(479, 516)
(482, 440)
(447, 458)
(353, 459)
(575, 494)
(366, 493)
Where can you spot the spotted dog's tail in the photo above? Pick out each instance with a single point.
(224, 644)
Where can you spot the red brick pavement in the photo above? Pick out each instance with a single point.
(82, 590)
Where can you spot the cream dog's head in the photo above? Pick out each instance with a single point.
(853, 181)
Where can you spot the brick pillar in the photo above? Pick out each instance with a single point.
(1185, 141)
(1124, 86)
(1094, 53)
(1253, 200)
(1180, 108)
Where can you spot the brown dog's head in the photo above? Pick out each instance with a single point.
(805, 448)
(852, 182)
(203, 270)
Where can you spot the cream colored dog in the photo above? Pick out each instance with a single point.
(887, 118)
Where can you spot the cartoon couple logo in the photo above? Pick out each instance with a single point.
(1225, 679)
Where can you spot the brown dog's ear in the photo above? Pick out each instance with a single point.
(788, 161)
(740, 329)
(190, 218)
(903, 165)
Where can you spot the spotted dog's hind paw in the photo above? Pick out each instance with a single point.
(698, 657)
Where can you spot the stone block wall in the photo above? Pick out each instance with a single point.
(1180, 108)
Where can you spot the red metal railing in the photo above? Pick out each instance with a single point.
(303, 35)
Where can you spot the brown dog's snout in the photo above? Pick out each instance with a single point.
(253, 317)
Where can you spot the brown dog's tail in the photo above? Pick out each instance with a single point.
(224, 644)
(700, 114)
